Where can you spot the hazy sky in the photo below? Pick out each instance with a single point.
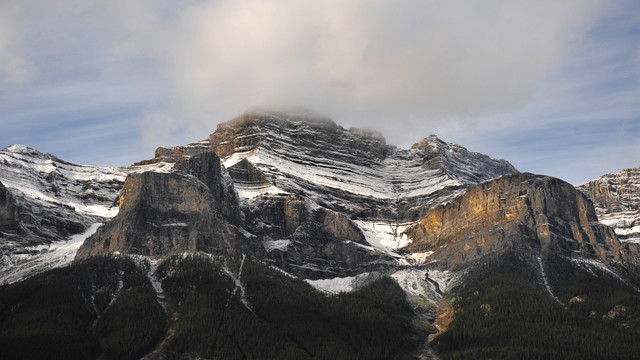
(552, 86)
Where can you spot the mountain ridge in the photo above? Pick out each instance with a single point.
(235, 229)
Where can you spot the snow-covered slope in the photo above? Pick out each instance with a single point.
(55, 198)
(40, 258)
(45, 202)
(616, 198)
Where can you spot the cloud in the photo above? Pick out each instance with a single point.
(470, 71)
(14, 68)
(368, 61)
(391, 59)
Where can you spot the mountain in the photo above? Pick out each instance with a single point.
(318, 201)
(616, 198)
(217, 249)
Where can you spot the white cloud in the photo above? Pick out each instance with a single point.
(395, 59)
(14, 68)
(369, 61)
(467, 70)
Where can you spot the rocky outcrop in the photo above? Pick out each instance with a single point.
(246, 173)
(177, 153)
(9, 220)
(339, 226)
(206, 168)
(277, 216)
(307, 242)
(302, 180)
(522, 212)
(616, 198)
(351, 171)
(188, 210)
(459, 162)
(299, 192)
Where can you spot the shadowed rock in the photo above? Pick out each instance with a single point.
(189, 210)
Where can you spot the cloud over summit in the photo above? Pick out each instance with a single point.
(392, 59)
(173, 70)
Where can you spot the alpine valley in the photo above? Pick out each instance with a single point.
(285, 236)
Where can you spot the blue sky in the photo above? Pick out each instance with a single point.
(551, 86)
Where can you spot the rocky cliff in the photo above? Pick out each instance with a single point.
(9, 220)
(188, 209)
(319, 201)
(616, 198)
(522, 212)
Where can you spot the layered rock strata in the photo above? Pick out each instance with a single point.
(616, 198)
(522, 212)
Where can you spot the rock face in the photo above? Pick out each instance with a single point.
(189, 209)
(45, 199)
(523, 212)
(456, 160)
(8, 211)
(616, 198)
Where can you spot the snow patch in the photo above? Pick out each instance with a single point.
(180, 224)
(418, 258)
(239, 289)
(237, 157)
(271, 245)
(335, 285)
(414, 282)
(385, 236)
(251, 192)
(587, 263)
(546, 282)
(159, 167)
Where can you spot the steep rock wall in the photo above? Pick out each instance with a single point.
(522, 211)
(188, 210)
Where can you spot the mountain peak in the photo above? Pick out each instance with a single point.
(300, 151)
(283, 115)
(464, 165)
(22, 149)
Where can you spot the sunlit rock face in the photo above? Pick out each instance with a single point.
(522, 212)
(616, 198)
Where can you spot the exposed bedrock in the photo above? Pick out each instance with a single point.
(161, 213)
(522, 211)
